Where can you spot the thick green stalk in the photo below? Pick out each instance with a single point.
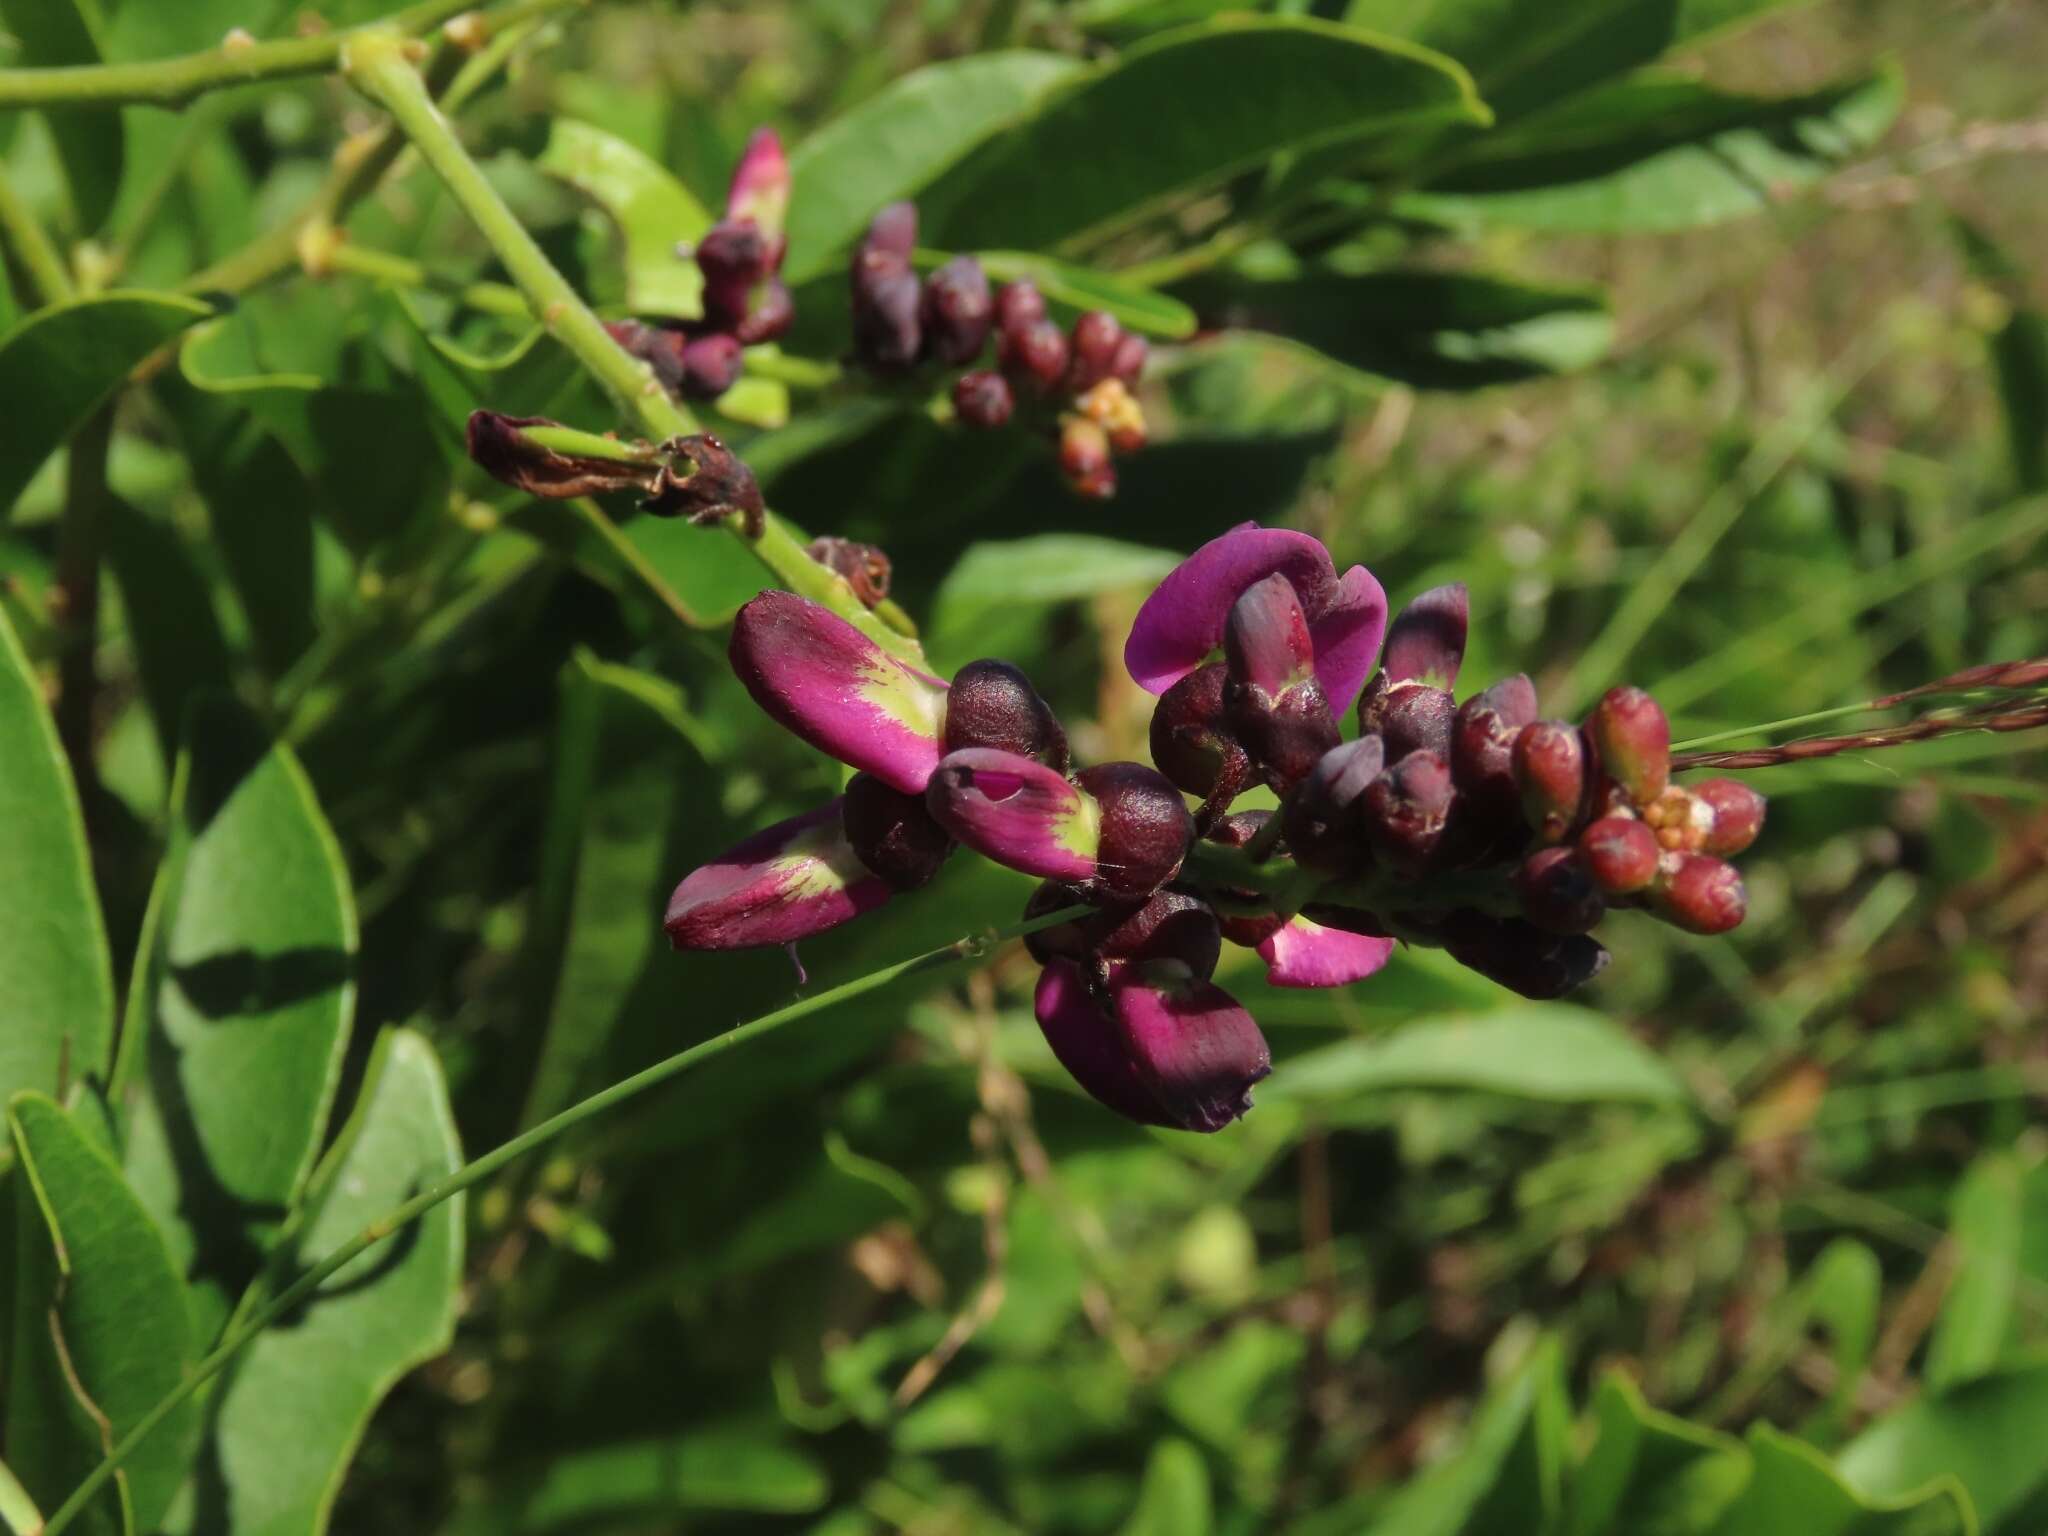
(377, 65)
(33, 248)
(174, 82)
(475, 1172)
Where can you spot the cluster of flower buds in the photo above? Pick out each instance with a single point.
(1077, 384)
(1477, 828)
(745, 299)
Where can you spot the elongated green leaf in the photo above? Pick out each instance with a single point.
(100, 1328)
(897, 141)
(1986, 1434)
(1174, 1500)
(17, 1509)
(2019, 355)
(56, 977)
(1554, 1051)
(90, 143)
(1442, 330)
(1648, 1471)
(1793, 1491)
(653, 210)
(172, 626)
(1987, 1216)
(253, 1014)
(292, 1413)
(1080, 288)
(1125, 141)
(59, 364)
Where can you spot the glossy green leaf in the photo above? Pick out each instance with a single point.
(1987, 1217)
(90, 143)
(1986, 1434)
(896, 142)
(1793, 1491)
(653, 210)
(291, 1414)
(1551, 1051)
(712, 1469)
(56, 977)
(1125, 141)
(58, 365)
(1174, 1498)
(1658, 153)
(252, 1017)
(100, 1327)
(1440, 330)
(1650, 1472)
(1075, 287)
(1048, 568)
(171, 623)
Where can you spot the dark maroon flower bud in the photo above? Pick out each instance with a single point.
(865, 568)
(1557, 894)
(886, 301)
(983, 399)
(1192, 742)
(1167, 925)
(1145, 829)
(957, 311)
(1019, 305)
(1426, 642)
(734, 256)
(772, 314)
(1129, 361)
(1620, 854)
(892, 833)
(1633, 739)
(1085, 458)
(1415, 717)
(1034, 354)
(1521, 956)
(1324, 818)
(1406, 809)
(1276, 706)
(1699, 893)
(1550, 769)
(710, 365)
(1096, 339)
(893, 230)
(992, 704)
(1738, 814)
(1482, 748)
(1192, 1045)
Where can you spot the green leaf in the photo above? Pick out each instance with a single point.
(1174, 1500)
(1048, 568)
(1650, 1474)
(1985, 1434)
(56, 976)
(2019, 355)
(1793, 1491)
(61, 363)
(1440, 330)
(101, 1331)
(894, 143)
(90, 142)
(1657, 153)
(1987, 1215)
(291, 1414)
(1075, 287)
(252, 1017)
(652, 209)
(1174, 114)
(17, 1509)
(172, 626)
(1552, 1051)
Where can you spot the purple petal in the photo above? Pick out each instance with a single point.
(1193, 1045)
(1182, 622)
(1306, 954)
(797, 878)
(1266, 641)
(1427, 641)
(1347, 636)
(826, 682)
(1017, 811)
(1085, 1041)
(760, 185)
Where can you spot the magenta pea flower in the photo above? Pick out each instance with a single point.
(826, 682)
(1020, 813)
(797, 878)
(1183, 622)
(1303, 953)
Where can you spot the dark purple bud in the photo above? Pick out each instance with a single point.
(1324, 818)
(1192, 743)
(1085, 458)
(1019, 306)
(1193, 1045)
(1699, 893)
(1619, 854)
(1096, 339)
(983, 399)
(1129, 361)
(1483, 739)
(771, 314)
(1633, 739)
(1738, 815)
(1034, 355)
(1276, 706)
(893, 230)
(1550, 769)
(865, 568)
(887, 300)
(957, 311)
(1556, 893)
(1167, 925)
(893, 834)
(1406, 809)
(992, 704)
(1426, 641)
(710, 366)
(1084, 1037)
(1412, 717)
(1145, 825)
(1521, 956)
(734, 257)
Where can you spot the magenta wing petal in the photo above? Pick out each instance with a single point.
(1306, 954)
(1085, 1041)
(1193, 1045)
(1427, 641)
(1347, 637)
(823, 680)
(1016, 811)
(797, 878)
(1182, 622)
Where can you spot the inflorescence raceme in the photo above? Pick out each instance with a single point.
(1477, 828)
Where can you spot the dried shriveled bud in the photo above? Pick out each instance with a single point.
(1550, 769)
(893, 833)
(1019, 305)
(1084, 458)
(1145, 827)
(1324, 818)
(1738, 814)
(1521, 956)
(992, 704)
(1556, 893)
(1167, 925)
(1276, 706)
(1426, 641)
(1096, 339)
(1033, 355)
(1630, 733)
(1018, 812)
(983, 399)
(798, 878)
(1406, 809)
(522, 452)
(1699, 893)
(1620, 854)
(1192, 742)
(865, 568)
(958, 311)
(714, 484)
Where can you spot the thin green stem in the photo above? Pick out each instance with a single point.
(33, 248)
(377, 65)
(1769, 726)
(175, 81)
(403, 272)
(476, 1171)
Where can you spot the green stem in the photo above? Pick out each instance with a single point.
(175, 81)
(33, 248)
(377, 65)
(476, 1171)
(402, 272)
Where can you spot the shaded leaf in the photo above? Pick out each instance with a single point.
(1649, 1473)
(1987, 1215)
(179, 649)
(1985, 1434)
(1793, 1491)
(2019, 356)
(1174, 1499)
(89, 143)
(653, 210)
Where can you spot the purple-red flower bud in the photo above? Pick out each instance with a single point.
(1192, 743)
(1129, 361)
(1699, 893)
(1556, 893)
(893, 833)
(888, 300)
(1096, 339)
(957, 311)
(1018, 812)
(1194, 1047)
(1483, 739)
(1145, 827)
(983, 399)
(1086, 1041)
(992, 704)
(1406, 809)
(1738, 814)
(1633, 739)
(797, 878)
(1324, 819)
(734, 256)
(1620, 854)
(1019, 305)
(1167, 925)
(770, 314)
(1521, 956)
(1550, 769)
(1411, 717)
(893, 230)
(1276, 706)
(1033, 354)
(709, 366)
(1426, 641)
